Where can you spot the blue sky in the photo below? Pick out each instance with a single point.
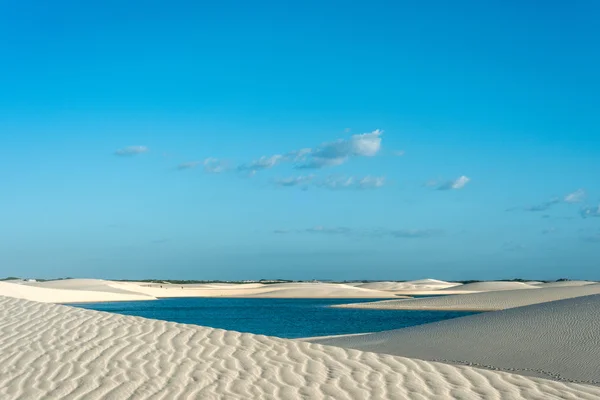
(314, 139)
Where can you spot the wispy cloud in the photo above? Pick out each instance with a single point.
(373, 233)
(590, 211)
(352, 182)
(399, 153)
(294, 181)
(262, 163)
(188, 165)
(340, 151)
(215, 166)
(131, 151)
(454, 184)
(576, 197)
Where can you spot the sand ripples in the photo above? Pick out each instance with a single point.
(57, 352)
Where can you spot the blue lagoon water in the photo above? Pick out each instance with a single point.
(286, 318)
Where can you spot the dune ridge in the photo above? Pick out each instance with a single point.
(53, 351)
(559, 340)
(483, 301)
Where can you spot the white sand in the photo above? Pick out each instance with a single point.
(493, 285)
(558, 339)
(94, 290)
(58, 352)
(53, 295)
(486, 301)
(565, 283)
(419, 285)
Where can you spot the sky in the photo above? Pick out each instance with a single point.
(302, 140)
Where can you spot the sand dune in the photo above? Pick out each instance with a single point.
(419, 285)
(493, 285)
(564, 284)
(559, 339)
(58, 352)
(485, 301)
(51, 295)
(92, 290)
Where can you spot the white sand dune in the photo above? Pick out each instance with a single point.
(419, 285)
(560, 340)
(51, 295)
(58, 352)
(483, 301)
(92, 290)
(564, 284)
(493, 285)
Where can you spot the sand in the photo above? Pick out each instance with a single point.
(565, 284)
(59, 295)
(493, 286)
(419, 285)
(485, 301)
(52, 351)
(96, 290)
(558, 340)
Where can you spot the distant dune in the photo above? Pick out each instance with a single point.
(494, 285)
(56, 295)
(564, 284)
(58, 352)
(423, 284)
(559, 340)
(95, 290)
(484, 301)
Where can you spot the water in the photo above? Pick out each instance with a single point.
(286, 318)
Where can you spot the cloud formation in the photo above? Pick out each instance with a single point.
(455, 184)
(214, 165)
(333, 182)
(590, 211)
(131, 151)
(340, 151)
(262, 163)
(294, 181)
(576, 197)
(572, 198)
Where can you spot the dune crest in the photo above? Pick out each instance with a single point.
(559, 339)
(483, 301)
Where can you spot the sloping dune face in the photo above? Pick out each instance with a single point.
(62, 295)
(495, 285)
(558, 339)
(422, 284)
(485, 301)
(58, 352)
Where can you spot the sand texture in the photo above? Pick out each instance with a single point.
(485, 301)
(94, 290)
(419, 285)
(559, 340)
(51, 351)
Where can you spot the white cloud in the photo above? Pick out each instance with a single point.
(399, 153)
(340, 151)
(456, 184)
(262, 163)
(131, 151)
(214, 165)
(576, 197)
(352, 182)
(294, 180)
